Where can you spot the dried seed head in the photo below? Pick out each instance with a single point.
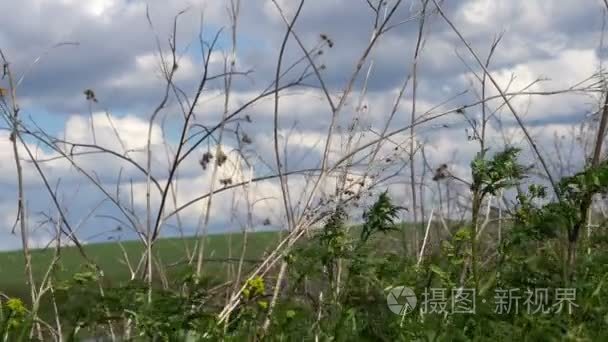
(207, 156)
(221, 158)
(246, 139)
(441, 172)
(226, 181)
(90, 95)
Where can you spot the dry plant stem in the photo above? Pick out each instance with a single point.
(116, 134)
(347, 90)
(59, 337)
(232, 115)
(107, 311)
(384, 131)
(275, 295)
(161, 272)
(505, 99)
(340, 188)
(46, 283)
(128, 214)
(14, 116)
(352, 128)
(282, 180)
(270, 260)
(151, 237)
(262, 268)
(247, 189)
(310, 60)
(169, 78)
(293, 236)
(51, 142)
(233, 215)
(477, 196)
(484, 116)
(169, 74)
(345, 171)
(51, 289)
(234, 13)
(335, 111)
(125, 257)
(338, 163)
(421, 120)
(426, 237)
(319, 316)
(472, 261)
(92, 122)
(102, 150)
(585, 206)
(70, 232)
(174, 192)
(486, 220)
(40, 58)
(586, 203)
(412, 139)
(500, 223)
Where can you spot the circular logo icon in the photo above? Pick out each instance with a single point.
(401, 300)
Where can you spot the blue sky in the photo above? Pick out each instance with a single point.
(554, 44)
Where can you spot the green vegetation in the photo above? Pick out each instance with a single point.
(335, 282)
(109, 257)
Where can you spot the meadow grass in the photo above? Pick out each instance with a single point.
(109, 257)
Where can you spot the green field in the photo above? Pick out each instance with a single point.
(221, 250)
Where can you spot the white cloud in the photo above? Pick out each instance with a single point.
(117, 58)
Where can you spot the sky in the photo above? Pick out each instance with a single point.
(59, 48)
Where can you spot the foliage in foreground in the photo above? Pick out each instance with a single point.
(339, 279)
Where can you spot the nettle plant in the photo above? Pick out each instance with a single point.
(541, 252)
(15, 321)
(535, 252)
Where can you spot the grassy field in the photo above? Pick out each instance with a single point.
(110, 258)
(221, 250)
